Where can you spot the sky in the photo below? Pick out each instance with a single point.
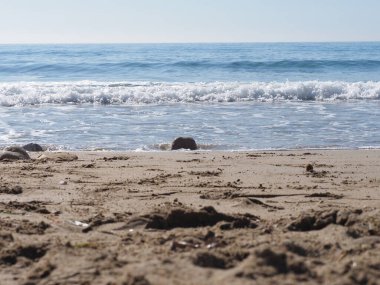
(152, 21)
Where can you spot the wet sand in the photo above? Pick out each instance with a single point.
(191, 218)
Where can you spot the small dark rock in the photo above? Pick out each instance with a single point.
(16, 190)
(309, 168)
(13, 190)
(33, 147)
(185, 143)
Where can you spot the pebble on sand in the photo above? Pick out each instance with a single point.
(309, 168)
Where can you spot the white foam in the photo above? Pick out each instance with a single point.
(78, 92)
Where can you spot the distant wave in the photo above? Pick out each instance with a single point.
(243, 65)
(288, 65)
(128, 93)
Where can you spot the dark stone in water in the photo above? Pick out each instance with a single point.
(33, 147)
(186, 143)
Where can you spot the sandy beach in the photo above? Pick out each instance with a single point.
(191, 218)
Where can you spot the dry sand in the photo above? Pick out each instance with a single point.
(191, 218)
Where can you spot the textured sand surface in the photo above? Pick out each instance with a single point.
(191, 218)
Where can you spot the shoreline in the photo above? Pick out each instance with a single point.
(199, 150)
(191, 217)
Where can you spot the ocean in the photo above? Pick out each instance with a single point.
(243, 96)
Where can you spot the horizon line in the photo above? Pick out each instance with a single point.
(190, 42)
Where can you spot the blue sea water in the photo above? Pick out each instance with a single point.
(227, 96)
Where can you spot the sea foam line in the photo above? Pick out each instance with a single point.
(81, 92)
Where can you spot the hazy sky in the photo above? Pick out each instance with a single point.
(100, 21)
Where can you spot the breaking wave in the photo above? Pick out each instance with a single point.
(130, 93)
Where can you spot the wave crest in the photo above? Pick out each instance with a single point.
(128, 93)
